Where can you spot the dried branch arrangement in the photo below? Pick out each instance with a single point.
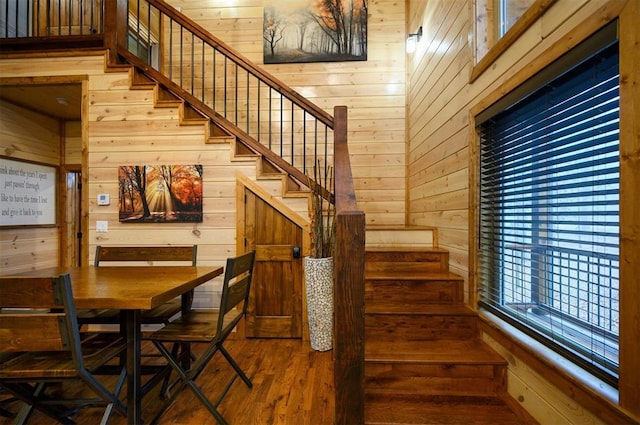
(323, 213)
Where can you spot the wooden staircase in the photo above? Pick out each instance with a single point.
(424, 360)
(272, 182)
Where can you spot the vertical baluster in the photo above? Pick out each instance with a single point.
(225, 87)
(281, 123)
(258, 106)
(148, 33)
(137, 28)
(6, 25)
(202, 72)
(315, 142)
(193, 60)
(49, 12)
(236, 94)
(48, 16)
(270, 114)
(181, 53)
(326, 148)
(171, 49)
(293, 153)
(92, 26)
(69, 16)
(304, 141)
(36, 30)
(247, 100)
(213, 85)
(81, 17)
(28, 23)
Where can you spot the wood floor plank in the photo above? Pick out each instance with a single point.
(292, 384)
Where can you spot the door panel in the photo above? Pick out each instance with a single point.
(275, 304)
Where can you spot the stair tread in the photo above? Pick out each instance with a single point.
(405, 249)
(391, 307)
(403, 275)
(442, 410)
(406, 227)
(451, 351)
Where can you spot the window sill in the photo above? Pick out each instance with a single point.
(590, 392)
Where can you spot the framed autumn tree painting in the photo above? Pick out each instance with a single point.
(297, 31)
(160, 193)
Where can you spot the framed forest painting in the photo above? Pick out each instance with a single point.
(160, 193)
(298, 31)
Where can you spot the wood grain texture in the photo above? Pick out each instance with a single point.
(292, 384)
(442, 104)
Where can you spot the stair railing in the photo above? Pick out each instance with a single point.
(260, 107)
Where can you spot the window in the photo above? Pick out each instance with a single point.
(549, 206)
(498, 24)
(494, 18)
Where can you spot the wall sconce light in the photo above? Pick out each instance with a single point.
(413, 40)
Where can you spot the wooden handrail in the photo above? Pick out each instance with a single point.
(197, 104)
(348, 294)
(224, 48)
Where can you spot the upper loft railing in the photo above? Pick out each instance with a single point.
(45, 22)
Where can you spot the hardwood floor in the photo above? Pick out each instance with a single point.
(292, 384)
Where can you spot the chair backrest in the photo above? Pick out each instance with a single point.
(38, 314)
(148, 254)
(235, 291)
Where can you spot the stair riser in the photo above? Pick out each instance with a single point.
(442, 379)
(407, 262)
(400, 327)
(413, 292)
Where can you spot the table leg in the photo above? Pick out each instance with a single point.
(185, 349)
(132, 326)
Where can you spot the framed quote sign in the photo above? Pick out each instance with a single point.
(27, 193)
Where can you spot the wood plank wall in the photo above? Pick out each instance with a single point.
(30, 136)
(374, 92)
(440, 100)
(124, 128)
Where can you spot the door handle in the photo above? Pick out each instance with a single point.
(296, 252)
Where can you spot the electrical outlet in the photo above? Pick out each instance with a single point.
(102, 226)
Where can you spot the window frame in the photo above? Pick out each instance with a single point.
(580, 386)
(501, 44)
(509, 251)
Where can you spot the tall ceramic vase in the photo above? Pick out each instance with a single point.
(318, 274)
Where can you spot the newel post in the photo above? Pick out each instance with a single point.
(348, 292)
(115, 27)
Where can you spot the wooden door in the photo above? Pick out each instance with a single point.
(71, 223)
(275, 304)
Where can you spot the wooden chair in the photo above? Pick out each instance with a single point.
(126, 255)
(40, 344)
(211, 328)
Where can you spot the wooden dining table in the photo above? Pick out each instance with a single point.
(132, 290)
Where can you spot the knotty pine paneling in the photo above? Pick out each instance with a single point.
(27, 135)
(441, 97)
(73, 142)
(373, 90)
(124, 128)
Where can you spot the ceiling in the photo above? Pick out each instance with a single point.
(61, 101)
